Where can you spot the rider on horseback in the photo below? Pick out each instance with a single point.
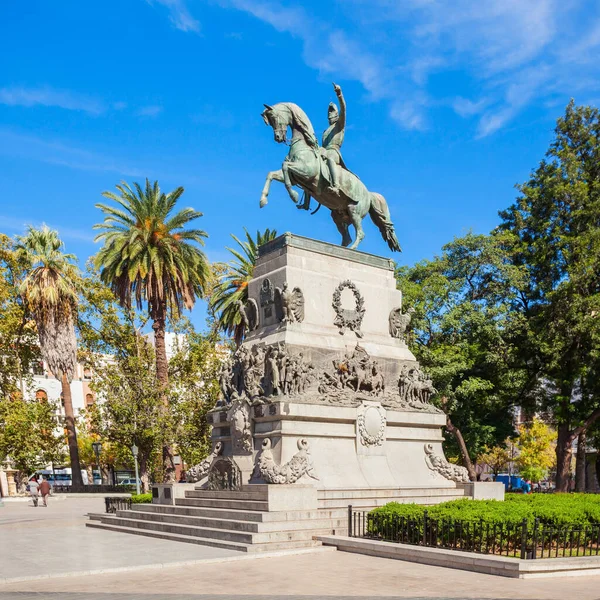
(333, 138)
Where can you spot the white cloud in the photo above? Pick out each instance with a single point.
(47, 96)
(507, 54)
(410, 114)
(179, 15)
(32, 147)
(152, 110)
(19, 225)
(467, 108)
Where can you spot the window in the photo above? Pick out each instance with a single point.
(41, 396)
(87, 373)
(89, 399)
(38, 368)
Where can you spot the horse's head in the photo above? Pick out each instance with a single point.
(278, 119)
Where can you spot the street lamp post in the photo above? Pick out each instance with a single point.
(134, 451)
(97, 446)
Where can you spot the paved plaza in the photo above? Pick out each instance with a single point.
(45, 542)
(43, 545)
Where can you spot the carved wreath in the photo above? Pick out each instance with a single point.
(365, 437)
(345, 318)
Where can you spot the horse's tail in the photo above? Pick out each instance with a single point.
(380, 215)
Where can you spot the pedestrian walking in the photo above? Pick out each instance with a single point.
(45, 490)
(34, 488)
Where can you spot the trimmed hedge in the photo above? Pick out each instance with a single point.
(556, 510)
(141, 498)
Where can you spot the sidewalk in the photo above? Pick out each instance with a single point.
(49, 541)
(45, 542)
(308, 576)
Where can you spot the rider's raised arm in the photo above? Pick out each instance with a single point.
(341, 124)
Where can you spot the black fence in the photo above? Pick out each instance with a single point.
(114, 504)
(527, 540)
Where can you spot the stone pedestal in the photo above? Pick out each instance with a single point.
(11, 484)
(324, 391)
(167, 493)
(3, 484)
(319, 269)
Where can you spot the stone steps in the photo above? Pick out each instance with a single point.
(231, 524)
(220, 535)
(205, 541)
(366, 499)
(241, 520)
(243, 515)
(244, 494)
(223, 503)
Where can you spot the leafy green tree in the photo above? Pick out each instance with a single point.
(18, 340)
(496, 458)
(50, 291)
(28, 433)
(553, 230)
(232, 287)
(194, 372)
(131, 410)
(463, 302)
(148, 257)
(536, 450)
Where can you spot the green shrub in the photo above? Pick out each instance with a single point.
(556, 510)
(141, 498)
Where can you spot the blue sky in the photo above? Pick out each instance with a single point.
(450, 104)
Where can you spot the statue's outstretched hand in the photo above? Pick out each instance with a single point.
(337, 89)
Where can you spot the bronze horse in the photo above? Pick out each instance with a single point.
(305, 167)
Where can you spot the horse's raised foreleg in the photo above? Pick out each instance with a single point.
(277, 176)
(288, 183)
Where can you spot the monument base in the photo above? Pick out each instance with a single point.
(323, 406)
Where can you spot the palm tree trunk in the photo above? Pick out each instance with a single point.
(162, 375)
(71, 432)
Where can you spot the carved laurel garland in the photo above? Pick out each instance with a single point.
(348, 319)
(365, 437)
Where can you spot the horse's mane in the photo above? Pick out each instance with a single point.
(302, 123)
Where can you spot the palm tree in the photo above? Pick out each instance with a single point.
(50, 291)
(233, 283)
(148, 257)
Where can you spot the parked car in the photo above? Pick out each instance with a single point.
(130, 481)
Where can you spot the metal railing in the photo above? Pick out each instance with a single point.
(527, 540)
(114, 504)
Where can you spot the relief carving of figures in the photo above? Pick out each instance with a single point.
(289, 304)
(200, 471)
(348, 318)
(300, 464)
(399, 323)
(261, 372)
(414, 387)
(356, 371)
(248, 314)
(439, 464)
(267, 297)
(224, 474)
(241, 425)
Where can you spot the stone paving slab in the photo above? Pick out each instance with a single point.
(309, 576)
(45, 542)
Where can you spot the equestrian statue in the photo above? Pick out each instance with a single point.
(321, 173)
